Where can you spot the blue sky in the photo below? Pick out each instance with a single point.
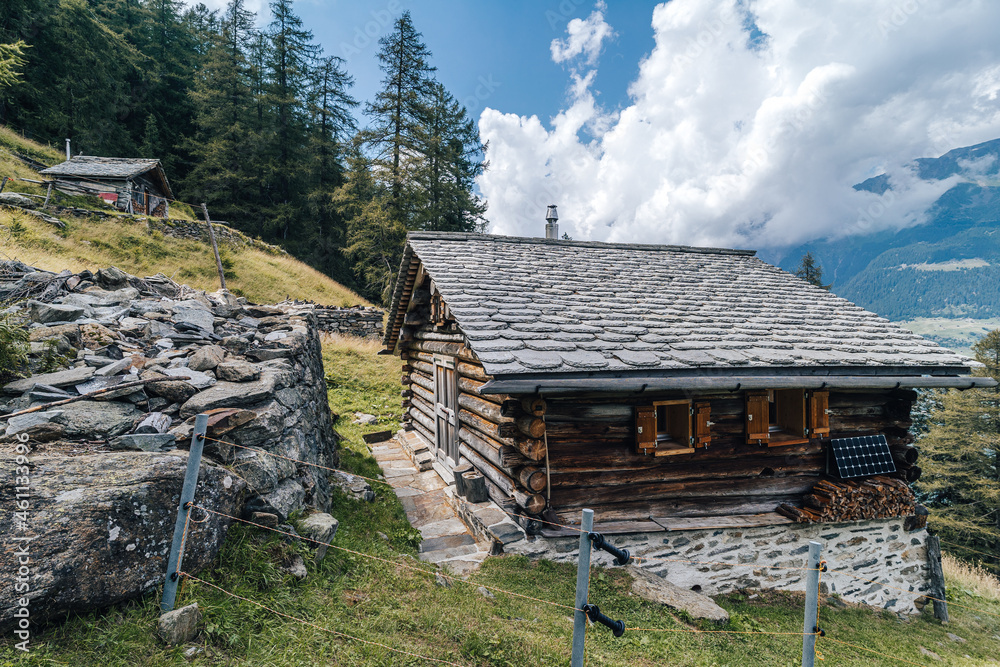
(739, 123)
(490, 52)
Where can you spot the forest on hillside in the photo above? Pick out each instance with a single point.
(256, 121)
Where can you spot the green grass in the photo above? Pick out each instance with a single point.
(94, 243)
(402, 608)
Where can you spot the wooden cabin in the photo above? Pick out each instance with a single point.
(133, 185)
(661, 386)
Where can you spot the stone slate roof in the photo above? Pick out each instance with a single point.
(98, 168)
(537, 306)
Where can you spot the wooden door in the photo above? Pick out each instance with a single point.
(446, 410)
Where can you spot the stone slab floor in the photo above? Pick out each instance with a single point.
(447, 540)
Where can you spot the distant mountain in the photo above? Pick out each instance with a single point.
(946, 267)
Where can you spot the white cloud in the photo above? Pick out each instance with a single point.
(750, 121)
(586, 36)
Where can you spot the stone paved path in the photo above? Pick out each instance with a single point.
(424, 496)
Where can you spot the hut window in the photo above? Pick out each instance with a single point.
(665, 428)
(776, 417)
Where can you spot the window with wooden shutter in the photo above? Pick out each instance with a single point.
(645, 429)
(702, 425)
(757, 420)
(776, 417)
(819, 414)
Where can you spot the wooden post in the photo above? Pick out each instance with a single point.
(48, 194)
(937, 578)
(215, 246)
(582, 588)
(4, 184)
(809, 628)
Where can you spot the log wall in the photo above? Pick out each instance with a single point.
(505, 444)
(594, 463)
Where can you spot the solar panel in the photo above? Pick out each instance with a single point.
(859, 457)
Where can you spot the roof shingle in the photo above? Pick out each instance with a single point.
(531, 306)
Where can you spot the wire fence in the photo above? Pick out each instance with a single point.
(812, 637)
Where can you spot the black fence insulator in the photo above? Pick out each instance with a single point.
(595, 615)
(622, 556)
(819, 631)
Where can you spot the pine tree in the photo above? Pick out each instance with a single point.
(375, 237)
(449, 159)
(397, 109)
(150, 146)
(224, 146)
(810, 271)
(290, 57)
(961, 461)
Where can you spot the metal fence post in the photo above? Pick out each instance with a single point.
(187, 496)
(812, 605)
(582, 586)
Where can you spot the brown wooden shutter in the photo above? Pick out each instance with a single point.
(645, 429)
(702, 425)
(790, 405)
(819, 417)
(757, 417)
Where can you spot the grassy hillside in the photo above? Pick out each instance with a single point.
(92, 243)
(397, 606)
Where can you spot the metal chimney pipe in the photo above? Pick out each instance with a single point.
(68, 155)
(551, 222)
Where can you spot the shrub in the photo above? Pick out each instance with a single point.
(13, 347)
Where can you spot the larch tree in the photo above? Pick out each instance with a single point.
(397, 110)
(450, 158)
(810, 271)
(961, 461)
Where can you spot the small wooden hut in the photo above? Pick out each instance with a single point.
(664, 387)
(134, 185)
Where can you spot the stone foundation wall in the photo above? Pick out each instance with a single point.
(737, 558)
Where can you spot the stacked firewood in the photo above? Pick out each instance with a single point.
(879, 497)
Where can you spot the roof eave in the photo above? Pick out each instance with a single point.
(733, 382)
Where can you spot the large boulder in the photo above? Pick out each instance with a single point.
(101, 527)
(96, 420)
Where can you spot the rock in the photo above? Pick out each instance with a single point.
(94, 419)
(650, 587)
(265, 519)
(364, 419)
(486, 593)
(261, 312)
(42, 432)
(275, 335)
(353, 486)
(111, 278)
(264, 354)
(154, 422)
(206, 358)
(235, 344)
(442, 581)
(97, 383)
(237, 371)
(196, 379)
(284, 499)
(144, 442)
(23, 422)
(295, 567)
(955, 638)
(59, 379)
(930, 654)
(193, 312)
(53, 312)
(180, 625)
(231, 394)
(115, 367)
(103, 525)
(47, 394)
(71, 332)
(175, 392)
(14, 199)
(94, 335)
(320, 527)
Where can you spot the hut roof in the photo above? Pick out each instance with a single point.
(532, 307)
(100, 168)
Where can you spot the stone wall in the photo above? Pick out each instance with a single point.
(879, 550)
(355, 321)
(105, 471)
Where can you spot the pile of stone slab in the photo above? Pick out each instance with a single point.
(126, 363)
